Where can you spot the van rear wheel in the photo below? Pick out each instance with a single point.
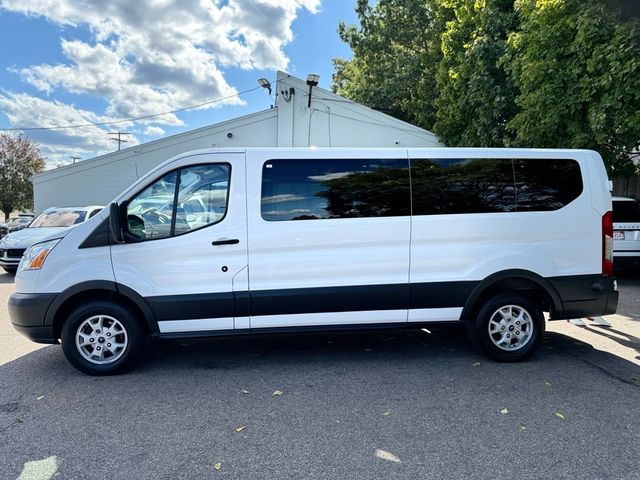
(508, 327)
(102, 338)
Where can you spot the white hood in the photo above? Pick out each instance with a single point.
(28, 236)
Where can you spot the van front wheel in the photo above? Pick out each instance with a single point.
(102, 338)
(508, 327)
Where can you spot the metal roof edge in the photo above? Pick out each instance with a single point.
(131, 151)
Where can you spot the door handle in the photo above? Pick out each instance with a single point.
(226, 241)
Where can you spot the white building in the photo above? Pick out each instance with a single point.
(332, 121)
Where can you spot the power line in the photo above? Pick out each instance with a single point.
(132, 119)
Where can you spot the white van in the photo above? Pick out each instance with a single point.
(235, 241)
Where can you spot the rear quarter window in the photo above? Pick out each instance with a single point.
(488, 185)
(544, 185)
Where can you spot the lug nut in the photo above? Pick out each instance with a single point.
(108, 334)
(92, 339)
(109, 345)
(517, 323)
(518, 332)
(508, 336)
(98, 348)
(502, 328)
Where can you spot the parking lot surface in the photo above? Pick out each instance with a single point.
(393, 404)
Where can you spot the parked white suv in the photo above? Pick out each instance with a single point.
(626, 233)
(50, 222)
(233, 241)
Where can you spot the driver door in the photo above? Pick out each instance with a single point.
(186, 243)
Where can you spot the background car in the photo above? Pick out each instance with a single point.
(51, 221)
(15, 223)
(626, 233)
(18, 223)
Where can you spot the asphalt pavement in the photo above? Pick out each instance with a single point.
(368, 405)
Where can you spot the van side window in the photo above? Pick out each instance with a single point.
(313, 189)
(202, 196)
(447, 186)
(181, 201)
(150, 213)
(543, 185)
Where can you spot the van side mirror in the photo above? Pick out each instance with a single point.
(114, 223)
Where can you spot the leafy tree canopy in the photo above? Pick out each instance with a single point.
(531, 73)
(396, 55)
(577, 68)
(20, 159)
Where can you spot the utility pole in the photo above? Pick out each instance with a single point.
(75, 158)
(119, 138)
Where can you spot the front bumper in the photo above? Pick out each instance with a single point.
(27, 312)
(585, 296)
(9, 262)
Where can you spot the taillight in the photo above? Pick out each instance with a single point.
(607, 244)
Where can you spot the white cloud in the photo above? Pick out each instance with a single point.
(285, 213)
(154, 131)
(286, 197)
(329, 176)
(59, 145)
(147, 57)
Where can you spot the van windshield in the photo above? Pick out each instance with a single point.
(59, 218)
(626, 211)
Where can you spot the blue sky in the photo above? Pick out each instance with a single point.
(85, 61)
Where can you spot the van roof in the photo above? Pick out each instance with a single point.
(401, 147)
(444, 152)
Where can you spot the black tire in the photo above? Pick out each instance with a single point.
(10, 270)
(136, 337)
(478, 327)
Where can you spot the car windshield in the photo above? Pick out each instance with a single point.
(626, 211)
(19, 220)
(59, 218)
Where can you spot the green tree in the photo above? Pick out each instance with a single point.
(20, 159)
(396, 53)
(531, 73)
(577, 69)
(476, 97)
(377, 193)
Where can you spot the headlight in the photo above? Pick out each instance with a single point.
(36, 254)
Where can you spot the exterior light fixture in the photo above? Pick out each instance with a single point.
(264, 83)
(312, 81)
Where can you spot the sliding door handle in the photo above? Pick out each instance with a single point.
(226, 241)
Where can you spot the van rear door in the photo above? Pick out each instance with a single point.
(186, 243)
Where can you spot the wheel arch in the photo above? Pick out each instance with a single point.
(96, 290)
(514, 280)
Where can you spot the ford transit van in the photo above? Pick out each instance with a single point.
(236, 241)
